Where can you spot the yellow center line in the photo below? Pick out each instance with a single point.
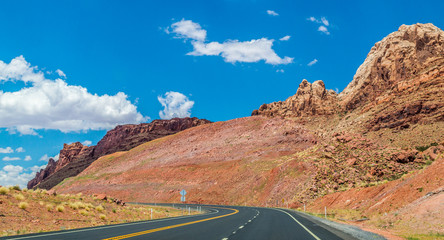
(170, 227)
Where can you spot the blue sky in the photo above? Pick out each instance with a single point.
(63, 63)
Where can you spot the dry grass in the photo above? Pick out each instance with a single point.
(4, 190)
(60, 208)
(19, 197)
(70, 211)
(23, 205)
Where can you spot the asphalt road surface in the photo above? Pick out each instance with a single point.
(218, 222)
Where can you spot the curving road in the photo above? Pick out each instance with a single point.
(218, 222)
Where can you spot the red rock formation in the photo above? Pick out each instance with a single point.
(43, 174)
(400, 82)
(75, 157)
(310, 99)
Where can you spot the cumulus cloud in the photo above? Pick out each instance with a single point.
(6, 150)
(286, 38)
(44, 158)
(324, 30)
(280, 71)
(87, 142)
(231, 51)
(37, 168)
(20, 150)
(189, 30)
(312, 62)
(175, 104)
(28, 158)
(7, 158)
(324, 23)
(53, 104)
(61, 73)
(234, 51)
(272, 13)
(15, 175)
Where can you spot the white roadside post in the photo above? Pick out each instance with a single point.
(151, 214)
(325, 212)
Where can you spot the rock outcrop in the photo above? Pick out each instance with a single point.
(310, 99)
(75, 157)
(401, 81)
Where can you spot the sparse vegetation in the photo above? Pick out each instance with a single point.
(23, 205)
(100, 208)
(60, 208)
(4, 190)
(19, 196)
(423, 148)
(102, 216)
(49, 207)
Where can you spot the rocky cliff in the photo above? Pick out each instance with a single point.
(401, 81)
(75, 157)
(310, 99)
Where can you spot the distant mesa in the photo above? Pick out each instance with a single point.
(75, 157)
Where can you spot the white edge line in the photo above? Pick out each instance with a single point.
(306, 229)
(111, 226)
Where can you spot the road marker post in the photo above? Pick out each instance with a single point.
(325, 212)
(151, 214)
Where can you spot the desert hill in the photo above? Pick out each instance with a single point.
(75, 157)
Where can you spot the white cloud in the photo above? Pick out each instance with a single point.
(325, 21)
(44, 158)
(19, 69)
(53, 104)
(175, 104)
(234, 51)
(272, 13)
(231, 51)
(280, 70)
(189, 29)
(87, 142)
(7, 158)
(324, 30)
(36, 168)
(312, 62)
(61, 73)
(14, 175)
(28, 158)
(6, 150)
(286, 38)
(20, 150)
(56, 157)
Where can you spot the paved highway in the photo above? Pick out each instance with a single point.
(218, 222)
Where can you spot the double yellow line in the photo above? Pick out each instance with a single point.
(172, 226)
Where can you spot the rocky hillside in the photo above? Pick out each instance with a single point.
(75, 157)
(400, 83)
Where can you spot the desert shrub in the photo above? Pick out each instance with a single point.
(16, 187)
(23, 205)
(41, 203)
(100, 208)
(114, 210)
(60, 208)
(4, 190)
(74, 206)
(102, 216)
(80, 204)
(83, 212)
(19, 197)
(49, 207)
(24, 190)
